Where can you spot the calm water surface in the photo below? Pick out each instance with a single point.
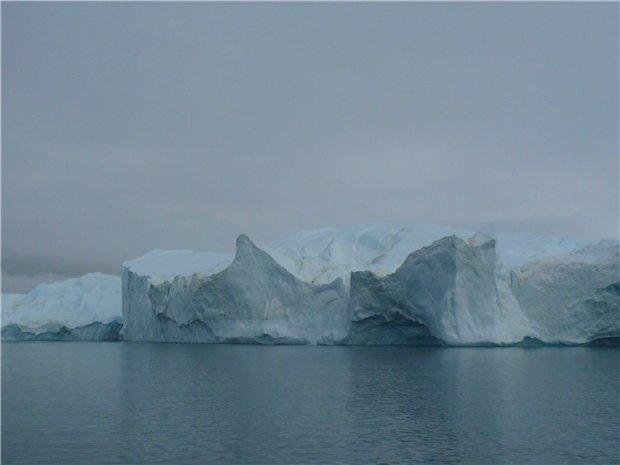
(133, 403)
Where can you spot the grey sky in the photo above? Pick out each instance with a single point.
(128, 127)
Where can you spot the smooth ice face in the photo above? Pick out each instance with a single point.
(94, 297)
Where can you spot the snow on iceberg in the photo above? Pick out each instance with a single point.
(325, 254)
(322, 255)
(85, 308)
(161, 265)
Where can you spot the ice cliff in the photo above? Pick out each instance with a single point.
(572, 298)
(460, 293)
(253, 300)
(85, 308)
(380, 284)
(457, 291)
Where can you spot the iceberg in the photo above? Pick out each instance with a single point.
(322, 255)
(85, 308)
(454, 291)
(572, 298)
(461, 294)
(380, 285)
(252, 300)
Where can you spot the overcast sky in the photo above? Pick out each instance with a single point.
(128, 127)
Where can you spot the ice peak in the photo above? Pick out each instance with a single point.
(244, 245)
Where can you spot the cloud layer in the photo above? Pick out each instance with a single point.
(131, 126)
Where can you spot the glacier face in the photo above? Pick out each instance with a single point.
(85, 308)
